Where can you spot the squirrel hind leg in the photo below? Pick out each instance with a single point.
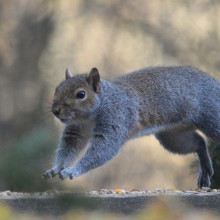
(189, 142)
(184, 142)
(209, 124)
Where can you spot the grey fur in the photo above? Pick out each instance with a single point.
(170, 102)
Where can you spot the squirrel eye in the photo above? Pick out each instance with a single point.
(80, 95)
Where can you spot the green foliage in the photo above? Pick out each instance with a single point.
(214, 150)
(26, 159)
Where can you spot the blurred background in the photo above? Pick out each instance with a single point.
(40, 39)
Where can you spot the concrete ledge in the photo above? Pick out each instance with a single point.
(57, 204)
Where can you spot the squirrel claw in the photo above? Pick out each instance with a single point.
(64, 174)
(61, 176)
(51, 173)
(47, 175)
(71, 176)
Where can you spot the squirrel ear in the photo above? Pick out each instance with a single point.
(68, 74)
(94, 79)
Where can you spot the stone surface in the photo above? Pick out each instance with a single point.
(114, 201)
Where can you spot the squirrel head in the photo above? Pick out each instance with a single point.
(77, 97)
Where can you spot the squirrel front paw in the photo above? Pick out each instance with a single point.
(51, 173)
(69, 172)
(47, 175)
(65, 173)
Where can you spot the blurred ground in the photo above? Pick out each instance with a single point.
(160, 208)
(39, 39)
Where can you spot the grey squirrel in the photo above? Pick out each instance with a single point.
(169, 102)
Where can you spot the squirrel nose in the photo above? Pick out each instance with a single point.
(56, 109)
